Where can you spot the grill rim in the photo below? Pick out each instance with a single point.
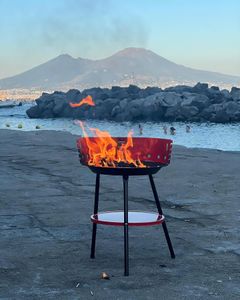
(119, 170)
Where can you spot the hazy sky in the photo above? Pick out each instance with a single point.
(202, 34)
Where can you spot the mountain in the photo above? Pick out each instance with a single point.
(129, 66)
(52, 73)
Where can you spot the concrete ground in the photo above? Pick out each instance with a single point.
(46, 199)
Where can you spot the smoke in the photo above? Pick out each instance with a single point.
(84, 27)
(41, 29)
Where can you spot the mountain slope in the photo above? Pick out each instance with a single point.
(52, 73)
(131, 65)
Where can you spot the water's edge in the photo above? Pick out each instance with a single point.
(224, 137)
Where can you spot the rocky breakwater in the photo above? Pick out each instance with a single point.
(180, 103)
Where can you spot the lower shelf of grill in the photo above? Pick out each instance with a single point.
(135, 218)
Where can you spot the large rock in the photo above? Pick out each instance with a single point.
(179, 89)
(188, 111)
(58, 108)
(34, 112)
(210, 112)
(220, 117)
(152, 107)
(149, 91)
(235, 93)
(193, 99)
(170, 99)
(180, 103)
(232, 110)
(43, 100)
(126, 110)
(226, 94)
(222, 113)
(213, 93)
(97, 94)
(200, 87)
(103, 110)
(73, 95)
(133, 91)
(118, 92)
(172, 113)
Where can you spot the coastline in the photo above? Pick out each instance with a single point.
(46, 200)
(175, 145)
(202, 135)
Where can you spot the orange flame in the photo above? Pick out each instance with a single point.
(88, 100)
(104, 151)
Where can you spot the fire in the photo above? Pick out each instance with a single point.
(88, 100)
(104, 151)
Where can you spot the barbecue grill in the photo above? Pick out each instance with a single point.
(154, 154)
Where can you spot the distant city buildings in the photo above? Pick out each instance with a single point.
(20, 94)
(32, 94)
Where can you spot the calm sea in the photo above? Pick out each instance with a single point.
(204, 135)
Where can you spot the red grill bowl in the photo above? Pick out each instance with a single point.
(155, 153)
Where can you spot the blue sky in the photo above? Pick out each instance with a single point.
(203, 34)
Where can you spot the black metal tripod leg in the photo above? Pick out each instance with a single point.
(94, 229)
(126, 249)
(170, 247)
(164, 225)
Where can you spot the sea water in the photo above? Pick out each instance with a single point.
(202, 135)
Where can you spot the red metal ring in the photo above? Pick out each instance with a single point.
(113, 218)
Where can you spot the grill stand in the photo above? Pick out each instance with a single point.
(164, 225)
(94, 230)
(126, 221)
(126, 250)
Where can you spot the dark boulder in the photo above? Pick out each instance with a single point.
(214, 88)
(119, 92)
(34, 112)
(171, 113)
(209, 112)
(200, 88)
(133, 91)
(179, 89)
(148, 91)
(73, 95)
(220, 117)
(179, 103)
(97, 94)
(152, 107)
(232, 110)
(170, 99)
(193, 99)
(235, 93)
(226, 94)
(188, 111)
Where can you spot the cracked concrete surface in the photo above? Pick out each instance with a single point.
(46, 199)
